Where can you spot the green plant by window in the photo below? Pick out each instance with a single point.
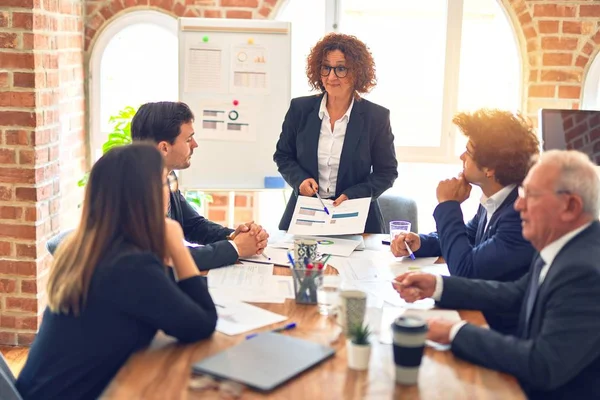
(359, 334)
(120, 135)
(196, 198)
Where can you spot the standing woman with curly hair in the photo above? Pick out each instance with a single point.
(337, 143)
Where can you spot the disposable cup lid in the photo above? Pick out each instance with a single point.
(409, 324)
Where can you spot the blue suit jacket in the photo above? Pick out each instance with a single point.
(499, 252)
(556, 355)
(217, 251)
(368, 165)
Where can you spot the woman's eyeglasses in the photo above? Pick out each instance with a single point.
(340, 71)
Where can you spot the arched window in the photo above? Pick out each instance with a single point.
(134, 60)
(591, 87)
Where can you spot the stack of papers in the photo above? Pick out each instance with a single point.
(325, 245)
(237, 317)
(250, 282)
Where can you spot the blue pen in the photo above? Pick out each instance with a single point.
(323, 204)
(286, 327)
(293, 264)
(412, 255)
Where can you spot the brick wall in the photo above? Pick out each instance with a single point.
(100, 12)
(582, 132)
(220, 208)
(559, 40)
(41, 121)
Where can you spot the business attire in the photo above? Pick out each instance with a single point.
(357, 158)
(555, 353)
(129, 299)
(489, 246)
(216, 251)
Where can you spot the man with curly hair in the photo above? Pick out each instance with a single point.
(491, 245)
(338, 144)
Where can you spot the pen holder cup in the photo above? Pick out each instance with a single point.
(305, 284)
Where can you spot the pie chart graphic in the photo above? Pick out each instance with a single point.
(325, 242)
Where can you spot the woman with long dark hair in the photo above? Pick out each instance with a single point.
(108, 290)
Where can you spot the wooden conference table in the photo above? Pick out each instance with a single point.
(163, 370)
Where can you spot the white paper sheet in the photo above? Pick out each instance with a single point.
(222, 120)
(250, 69)
(203, 67)
(248, 275)
(237, 317)
(325, 245)
(276, 256)
(390, 313)
(348, 218)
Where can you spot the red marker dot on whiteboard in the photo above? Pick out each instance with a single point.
(235, 102)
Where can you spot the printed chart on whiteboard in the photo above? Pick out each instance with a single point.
(203, 68)
(227, 121)
(250, 69)
(310, 218)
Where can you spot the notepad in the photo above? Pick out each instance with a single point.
(266, 361)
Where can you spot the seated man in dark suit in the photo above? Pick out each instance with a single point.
(169, 125)
(556, 351)
(497, 158)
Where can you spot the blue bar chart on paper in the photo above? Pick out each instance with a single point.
(313, 216)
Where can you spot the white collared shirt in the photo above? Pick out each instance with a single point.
(330, 148)
(492, 203)
(548, 254)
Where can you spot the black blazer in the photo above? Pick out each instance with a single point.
(217, 251)
(557, 354)
(368, 165)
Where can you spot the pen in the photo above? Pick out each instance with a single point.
(286, 327)
(323, 204)
(293, 264)
(265, 255)
(412, 256)
(326, 259)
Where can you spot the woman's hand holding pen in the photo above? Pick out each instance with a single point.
(398, 245)
(308, 187)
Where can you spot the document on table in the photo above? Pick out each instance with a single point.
(249, 282)
(325, 245)
(348, 218)
(241, 275)
(236, 317)
(277, 256)
(389, 314)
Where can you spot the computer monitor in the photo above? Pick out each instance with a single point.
(571, 130)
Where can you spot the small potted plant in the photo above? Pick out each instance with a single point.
(358, 347)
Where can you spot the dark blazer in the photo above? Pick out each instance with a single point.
(217, 251)
(368, 165)
(129, 299)
(557, 354)
(499, 252)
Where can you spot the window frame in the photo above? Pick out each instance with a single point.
(591, 86)
(165, 21)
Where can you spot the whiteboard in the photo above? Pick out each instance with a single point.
(235, 76)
